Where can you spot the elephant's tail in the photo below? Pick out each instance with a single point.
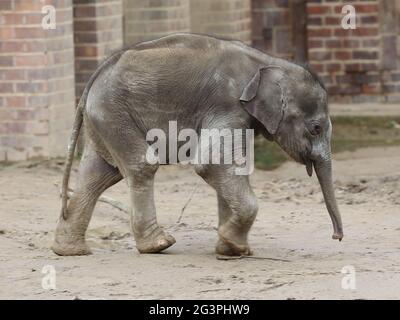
(71, 151)
(76, 129)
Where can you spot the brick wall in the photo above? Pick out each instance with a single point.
(357, 65)
(149, 19)
(37, 66)
(225, 18)
(97, 33)
(36, 80)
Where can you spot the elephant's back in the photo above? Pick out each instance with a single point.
(186, 40)
(167, 73)
(175, 78)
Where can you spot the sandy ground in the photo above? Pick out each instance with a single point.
(292, 226)
(364, 109)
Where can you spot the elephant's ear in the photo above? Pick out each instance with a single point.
(263, 97)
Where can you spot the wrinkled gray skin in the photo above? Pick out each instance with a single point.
(201, 82)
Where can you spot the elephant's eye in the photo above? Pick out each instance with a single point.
(315, 129)
(318, 128)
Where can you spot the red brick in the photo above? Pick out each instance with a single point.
(372, 89)
(12, 127)
(318, 67)
(369, 19)
(86, 51)
(36, 46)
(360, 8)
(12, 74)
(349, 89)
(343, 55)
(318, 9)
(333, 43)
(5, 5)
(85, 25)
(12, 18)
(344, 79)
(84, 11)
(6, 61)
(31, 60)
(364, 31)
(339, 32)
(333, 20)
(17, 114)
(6, 87)
(366, 8)
(23, 5)
(320, 55)
(333, 90)
(352, 67)
(322, 32)
(315, 44)
(370, 55)
(29, 32)
(333, 67)
(11, 46)
(19, 18)
(351, 43)
(368, 67)
(31, 87)
(371, 43)
(314, 21)
(16, 102)
(6, 33)
(39, 74)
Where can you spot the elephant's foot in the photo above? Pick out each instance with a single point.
(68, 241)
(229, 244)
(155, 242)
(70, 247)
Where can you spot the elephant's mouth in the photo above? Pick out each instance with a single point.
(308, 162)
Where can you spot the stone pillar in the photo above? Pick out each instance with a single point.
(97, 32)
(390, 53)
(272, 28)
(298, 18)
(150, 19)
(224, 18)
(37, 96)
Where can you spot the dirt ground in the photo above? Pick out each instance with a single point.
(291, 237)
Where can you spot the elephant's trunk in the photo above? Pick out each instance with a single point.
(323, 169)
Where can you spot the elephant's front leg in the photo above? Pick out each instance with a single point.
(224, 213)
(237, 206)
(149, 236)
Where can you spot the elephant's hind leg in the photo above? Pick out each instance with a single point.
(94, 177)
(129, 149)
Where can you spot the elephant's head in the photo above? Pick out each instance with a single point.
(291, 103)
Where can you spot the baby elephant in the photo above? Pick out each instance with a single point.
(197, 82)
